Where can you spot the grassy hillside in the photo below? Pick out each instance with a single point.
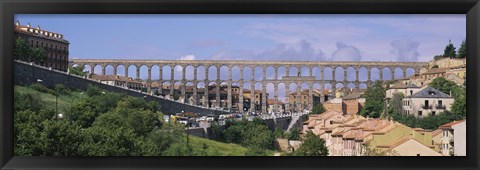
(64, 101)
(199, 145)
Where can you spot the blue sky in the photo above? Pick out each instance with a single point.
(259, 37)
(255, 37)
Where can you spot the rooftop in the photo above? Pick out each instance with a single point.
(429, 92)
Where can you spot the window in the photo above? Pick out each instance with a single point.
(419, 113)
(411, 92)
(439, 102)
(426, 103)
(433, 113)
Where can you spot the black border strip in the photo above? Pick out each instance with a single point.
(9, 7)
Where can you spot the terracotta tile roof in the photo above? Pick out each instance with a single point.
(449, 125)
(272, 102)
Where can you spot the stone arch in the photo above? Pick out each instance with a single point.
(398, 73)
(351, 86)
(132, 71)
(224, 72)
(339, 74)
(247, 73)
(339, 86)
(387, 73)
(281, 87)
(120, 70)
(293, 71)
(189, 72)
(166, 72)
(109, 70)
(351, 74)
(374, 74)
(143, 72)
(97, 69)
(281, 71)
(236, 73)
(270, 90)
(327, 86)
(87, 68)
(166, 86)
(305, 71)
(155, 72)
(316, 73)
(317, 86)
(270, 73)
(177, 90)
(178, 72)
(362, 86)
(201, 73)
(328, 73)
(212, 73)
(410, 72)
(362, 74)
(258, 74)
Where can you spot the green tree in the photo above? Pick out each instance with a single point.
(77, 70)
(462, 51)
(459, 106)
(38, 55)
(395, 105)
(450, 50)
(26, 53)
(318, 109)
(278, 133)
(22, 50)
(374, 97)
(294, 134)
(312, 145)
(444, 85)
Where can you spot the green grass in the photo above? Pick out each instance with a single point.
(221, 149)
(64, 101)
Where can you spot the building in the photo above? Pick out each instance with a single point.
(454, 138)
(402, 88)
(460, 70)
(114, 80)
(303, 100)
(54, 44)
(348, 104)
(176, 93)
(426, 102)
(447, 62)
(271, 106)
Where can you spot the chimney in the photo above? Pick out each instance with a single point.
(38, 27)
(28, 25)
(17, 23)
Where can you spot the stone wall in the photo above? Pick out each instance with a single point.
(26, 74)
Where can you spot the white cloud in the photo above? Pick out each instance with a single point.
(187, 57)
(346, 53)
(405, 49)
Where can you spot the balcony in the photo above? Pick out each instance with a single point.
(451, 141)
(426, 107)
(440, 107)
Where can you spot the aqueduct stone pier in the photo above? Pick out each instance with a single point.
(285, 73)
